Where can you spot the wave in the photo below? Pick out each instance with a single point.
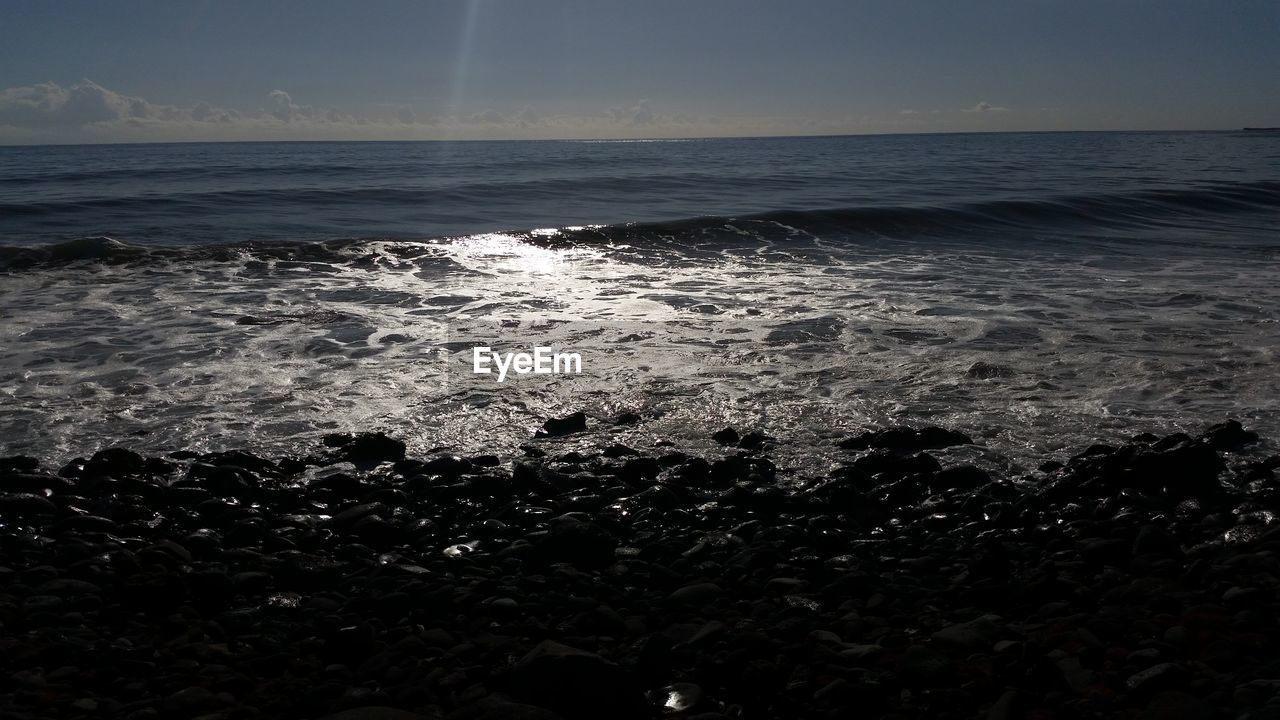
(1152, 208)
(1149, 209)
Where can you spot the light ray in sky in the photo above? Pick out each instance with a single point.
(462, 64)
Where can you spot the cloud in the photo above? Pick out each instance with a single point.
(984, 107)
(638, 114)
(908, 112)
(85, 103)
(88, 112)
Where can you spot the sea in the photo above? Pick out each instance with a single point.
(1040, 292)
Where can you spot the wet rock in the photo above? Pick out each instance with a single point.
(923, 665)
(1165, 676)
(495, 708)
(962, 477)
(982, 370)
(577, 684)
(15, 464)
(905, 438)
(571, 540)
(445, 465)
(1229, 435)
(1175, 705)
(1076, 676)
(556, 427)
(375, 712)
(30, 482)
(114, 462)
(366, 447)
(978, 633)
(725, 436)
(1183, 468)
(679, 698)
(195, 701)
(21, 504)
(696, 594)
(1152, 539)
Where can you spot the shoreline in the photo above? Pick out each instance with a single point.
(1123, 581)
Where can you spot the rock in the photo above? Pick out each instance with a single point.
(195, 701)
(555, 427)
(18, 464)
(1180, 468)
(114, 462)
(368, 448)
(680, 698)
(985, 371)
(1006, 707)
(861, 653)
(28, 482)
(495, 708)
(1152, 539)
(1164, 676)
(582, 544)
(961, 477)
(445, 465)
(26, 504)
(576, 684)
(375, 712)
(978, 633)
(905, 438)
(922, 665)
(696, 594)
(725, 436)
(1175, 705)
(1229, 435)
(1076, 675)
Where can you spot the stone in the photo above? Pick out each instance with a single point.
(922, 665)
(365, 447)
(1165, 676)
(695, 594)
(375, 712)
(577, 684)
(905, 438)
(1229, 435)
(567, 425)
(982, 370)
(582, 544)
(725, 436)
(978, 633)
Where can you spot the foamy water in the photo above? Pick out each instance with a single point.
(1088, 317)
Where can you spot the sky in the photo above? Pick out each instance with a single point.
(140, 70)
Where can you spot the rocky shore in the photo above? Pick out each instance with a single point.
(630, 583)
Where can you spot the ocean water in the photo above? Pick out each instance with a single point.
(1038, 291)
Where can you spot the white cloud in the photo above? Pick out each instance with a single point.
(984, 107)
(88, 112)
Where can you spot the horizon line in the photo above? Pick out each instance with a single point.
(625, 140)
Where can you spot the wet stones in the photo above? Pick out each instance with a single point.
(905, 438)
(576, 542)
(605, 580)
(577, 684)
